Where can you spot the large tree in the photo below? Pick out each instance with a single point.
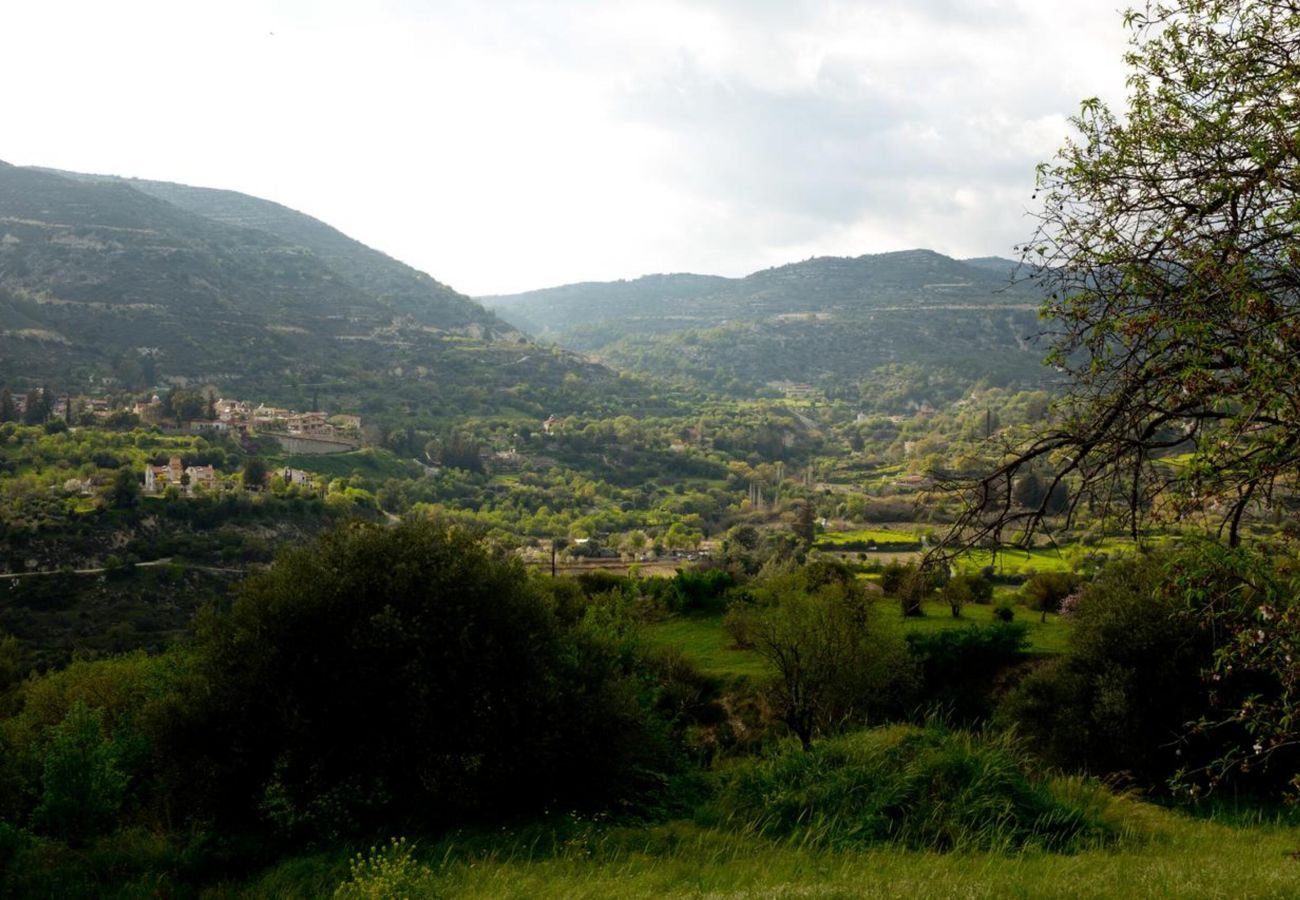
(1167, 250)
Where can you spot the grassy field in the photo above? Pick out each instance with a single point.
(1044, 637)
(372, 463)
(1174, 856)
(869, 536)
(705, 642)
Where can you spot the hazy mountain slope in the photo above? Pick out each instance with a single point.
(550, 312)
(404, 289)
(105, 285)
(836, 323)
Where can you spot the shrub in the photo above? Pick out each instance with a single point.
(418, 677)
(1044, 591)
(388, 870)
(959, 666)
(927, 788)
(83, 783)
(1127, 692)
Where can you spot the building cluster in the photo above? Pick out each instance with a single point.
(189, 480)
(243, 414)
(194, 480)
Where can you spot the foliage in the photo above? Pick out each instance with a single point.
(386, 871)
(1045, 591)
(965, 588)
(959, 666)
(1249, 604)
(125, 490)
(835, 660)
(927, 788)
(1144, 686)
(83, 784)
(416, 675)
(1166, 248)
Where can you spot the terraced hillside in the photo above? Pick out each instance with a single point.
(834, 325)
(107, 282)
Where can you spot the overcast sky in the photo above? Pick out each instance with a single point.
(503, 145)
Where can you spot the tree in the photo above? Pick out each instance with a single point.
(1177, 667)
(255, 473)
(963, 589)
(805, 524)
(187, 405)
(1045, 591)
(34, 413)
(83, 783)
(460, 451)
(835, 660)
(8, 412)
(407, 674)
(125, 490)
(1166, 250)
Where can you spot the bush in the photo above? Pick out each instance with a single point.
(417, 677)
(386, 871)
(1127, 692)
(925, 788)
(1044, 591)
(959, 666)
(83, 783)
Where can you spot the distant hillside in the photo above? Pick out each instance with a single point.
(841, 325)
(404, 289)
(108, 282)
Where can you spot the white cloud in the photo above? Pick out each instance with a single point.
(515, 144)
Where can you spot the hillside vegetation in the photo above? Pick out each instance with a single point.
(853, 328)
(130, 285)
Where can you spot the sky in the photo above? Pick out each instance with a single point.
(505, 145)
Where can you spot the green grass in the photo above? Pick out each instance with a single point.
(1044, 637)
(1020, 562)
(868, 535)
(370, 462)
(1180, 858)
(705, 642)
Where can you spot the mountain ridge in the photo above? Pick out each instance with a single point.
(823, 321)
(108, 287)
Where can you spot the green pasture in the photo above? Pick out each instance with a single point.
(705, 642)
(1169, 855)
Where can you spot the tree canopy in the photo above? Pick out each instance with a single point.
(1166, 248)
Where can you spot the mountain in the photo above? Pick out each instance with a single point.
(403, 288)
(846, 326)
(120, 283)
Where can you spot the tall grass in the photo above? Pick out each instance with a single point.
(926, 788)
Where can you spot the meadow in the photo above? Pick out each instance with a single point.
(1167, 854)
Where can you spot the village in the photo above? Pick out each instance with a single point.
(186, 413)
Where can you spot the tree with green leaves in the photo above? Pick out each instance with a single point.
(255, 473)
(1166, 250)
(805, 524)
(834, 659)
(409, 674)
(124, 492)
(8, 411)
